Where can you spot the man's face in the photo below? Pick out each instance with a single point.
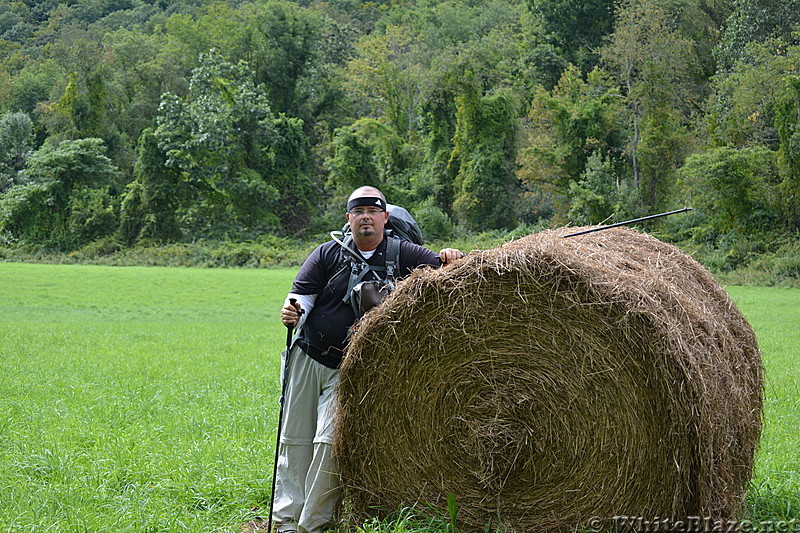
(367, 221)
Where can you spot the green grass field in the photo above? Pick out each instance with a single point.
(136, 399)
(145, 399)
(774, 314)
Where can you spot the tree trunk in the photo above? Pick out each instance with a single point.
(635, 140)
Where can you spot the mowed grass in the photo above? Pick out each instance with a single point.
(145, 399)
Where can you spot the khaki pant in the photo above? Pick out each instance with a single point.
(307, 485)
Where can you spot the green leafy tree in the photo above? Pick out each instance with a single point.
(576, 27)
(67, 117)
(5, 88)
(67, 198)
(288, 56)
(141, 71)
(735, 187)
(33, 84)
(787, 122)
(563, 128)
(489, 45)
(25, 214)
(88, 94)
(599, 194)
(755, 21)
(83, 112)
(742, 108)
(92, 215)
(352, 161)
(16, 143)
(484, 148)
(97, 101)
(189, 35)
(371, 153)
(434, 183)
(651, 60)
(499, 42)
(434, 223)
(71, 165)
(755, 104)
(389, 75)
(232, 152)
(151, 200)
(8, 19)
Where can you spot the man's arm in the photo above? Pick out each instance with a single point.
(308, 283)
(413, 256)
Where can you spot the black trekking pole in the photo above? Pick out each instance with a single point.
(284, 379)
(618, 224)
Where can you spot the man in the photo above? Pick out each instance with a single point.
(307, 484)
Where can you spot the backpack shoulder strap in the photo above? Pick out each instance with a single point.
(347, 256)
(342, 264)
(392, 257)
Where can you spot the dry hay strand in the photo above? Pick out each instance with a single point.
(551, 380)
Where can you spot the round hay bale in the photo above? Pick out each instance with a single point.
(551, 380)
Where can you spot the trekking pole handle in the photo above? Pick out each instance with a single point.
(291, 327)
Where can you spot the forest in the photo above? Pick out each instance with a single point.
(138, 122)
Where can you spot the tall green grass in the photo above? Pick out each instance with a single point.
(774, 314)
(145, 399)
(136, 399)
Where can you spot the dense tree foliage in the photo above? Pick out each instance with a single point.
(243, 166)
(149, 206)
(16, 140)
(565, 127)
(484, 151)
(577, 28)
(169, 120)
(66, 195)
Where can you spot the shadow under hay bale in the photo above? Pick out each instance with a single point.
(551, 380)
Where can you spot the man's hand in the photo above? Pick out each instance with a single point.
(448, 255)
(290, 314)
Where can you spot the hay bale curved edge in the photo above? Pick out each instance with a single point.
(551, 380)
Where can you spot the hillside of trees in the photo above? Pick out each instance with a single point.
(162, 121)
